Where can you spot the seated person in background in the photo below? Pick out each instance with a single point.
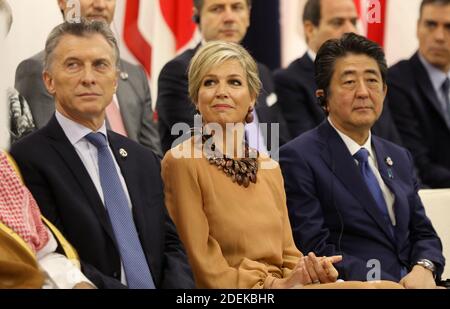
(21, 120)
(227, 201)
(322, 20)
(419, 95)
(103, 190)
(27, 245)
(350, 192)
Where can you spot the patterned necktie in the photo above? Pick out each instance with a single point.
(446, 92)
(134, 262)
(362, 157)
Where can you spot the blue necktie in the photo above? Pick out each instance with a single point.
(446, 92)
(134, 262)
(362, 157)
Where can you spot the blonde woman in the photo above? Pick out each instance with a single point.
(228, 201)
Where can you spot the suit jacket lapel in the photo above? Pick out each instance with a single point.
(389, 177)
(346, 170)
(64, 148)
(426, 86)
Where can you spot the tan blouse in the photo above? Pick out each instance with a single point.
(235, 237)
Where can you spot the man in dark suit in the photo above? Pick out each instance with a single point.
(130, 115)
(350, 192)
(295, 86)
(419, 95)
(226, 20)
(101, 189)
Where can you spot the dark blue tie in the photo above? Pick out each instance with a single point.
(134, 262)
(446, 92)
(362, 157)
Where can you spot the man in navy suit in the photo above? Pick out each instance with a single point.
(419, 95)
(350, 192)
(92, 182)
(322, 20)
(225, 20)
(130, 115)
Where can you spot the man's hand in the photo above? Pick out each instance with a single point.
(419, 278)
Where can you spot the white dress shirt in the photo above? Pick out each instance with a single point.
(312, 55)
(87, 152)
(353, 147)
(60, 272)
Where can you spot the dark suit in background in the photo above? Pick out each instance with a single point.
(174, 105)
(56, 176)
(333, 212)
(420, 120)
(296, 90)
(133, 94)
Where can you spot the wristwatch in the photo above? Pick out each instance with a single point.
(427, 264)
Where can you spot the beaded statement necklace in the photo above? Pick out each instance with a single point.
(241, 171)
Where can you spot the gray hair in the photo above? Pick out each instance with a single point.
(82, 29)
(216, 53)
(6, 9)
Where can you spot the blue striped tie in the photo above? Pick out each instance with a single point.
(134, 262)
(371, 181)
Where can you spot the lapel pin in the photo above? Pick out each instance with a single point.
(124, 75)
(389, 161)
(123, 153)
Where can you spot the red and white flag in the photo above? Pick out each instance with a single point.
(372, 15)
(155, 31)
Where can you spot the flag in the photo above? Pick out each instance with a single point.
(155, 31)
(372, 15)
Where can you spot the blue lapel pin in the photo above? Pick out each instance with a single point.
(390, 164)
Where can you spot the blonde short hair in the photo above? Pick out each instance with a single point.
(216, 53)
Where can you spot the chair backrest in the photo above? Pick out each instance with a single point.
(437, 207)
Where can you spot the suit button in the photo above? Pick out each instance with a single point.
(115, 274)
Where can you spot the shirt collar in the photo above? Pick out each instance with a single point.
(312, 55)
(437, 76)
(352, 146)
(75, 131)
